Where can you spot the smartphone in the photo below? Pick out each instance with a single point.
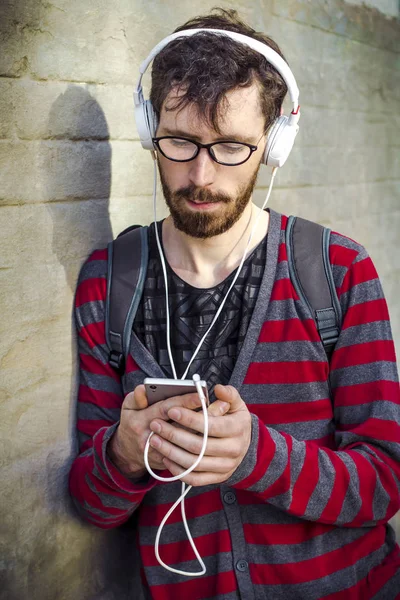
(161, 389)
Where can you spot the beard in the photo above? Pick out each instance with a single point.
(204, 224)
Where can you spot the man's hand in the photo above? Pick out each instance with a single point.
(126, 447)
(228, 441)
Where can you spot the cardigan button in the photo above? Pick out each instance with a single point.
(242, 565)
(229, 498)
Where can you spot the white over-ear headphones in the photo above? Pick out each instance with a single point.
(282, 132)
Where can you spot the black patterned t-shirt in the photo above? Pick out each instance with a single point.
(191, 313)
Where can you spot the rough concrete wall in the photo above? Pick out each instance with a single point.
(72, 173)
(390, 8)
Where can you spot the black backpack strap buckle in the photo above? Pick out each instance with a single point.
(328, 328)
(117, 361)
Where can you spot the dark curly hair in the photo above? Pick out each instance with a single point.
(205, 66)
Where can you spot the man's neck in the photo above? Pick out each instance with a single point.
(206, 262)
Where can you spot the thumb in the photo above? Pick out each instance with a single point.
(227, 393)
(136, 400)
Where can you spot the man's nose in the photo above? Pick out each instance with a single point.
(202, 169)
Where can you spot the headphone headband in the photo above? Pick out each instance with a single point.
(272, 57)
(283, 131)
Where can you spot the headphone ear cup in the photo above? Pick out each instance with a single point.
(280, 142)
(146, 124)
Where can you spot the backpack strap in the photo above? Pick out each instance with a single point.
(127, 266)
(307, 246)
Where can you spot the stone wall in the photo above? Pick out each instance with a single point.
(72, 175)
(390, 8)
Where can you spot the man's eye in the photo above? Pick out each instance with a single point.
(231, 148)
(180, 143)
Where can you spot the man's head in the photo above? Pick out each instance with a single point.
(209, 88)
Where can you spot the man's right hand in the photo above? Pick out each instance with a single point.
(126, 447)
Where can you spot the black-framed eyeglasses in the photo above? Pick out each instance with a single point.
(181, 149)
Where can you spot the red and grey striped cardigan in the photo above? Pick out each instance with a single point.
(305, 515)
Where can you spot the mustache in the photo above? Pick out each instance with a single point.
(196, 194)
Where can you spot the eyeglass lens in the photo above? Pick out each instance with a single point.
(181, 149)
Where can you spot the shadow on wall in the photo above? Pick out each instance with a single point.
(79, 178)
(78, 189)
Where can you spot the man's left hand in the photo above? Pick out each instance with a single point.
(229, 434)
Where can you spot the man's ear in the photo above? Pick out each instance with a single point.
(281, 111)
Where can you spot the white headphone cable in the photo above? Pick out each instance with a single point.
(181, 501)
(196, 380)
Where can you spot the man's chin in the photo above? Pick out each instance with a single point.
(203, 224)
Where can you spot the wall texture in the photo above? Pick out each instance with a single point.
(72, 174)
(387, 7)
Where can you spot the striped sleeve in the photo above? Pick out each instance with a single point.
(101, 493)
(356, 484)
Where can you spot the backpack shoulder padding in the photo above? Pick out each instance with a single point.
(307, 246)
(127, 266)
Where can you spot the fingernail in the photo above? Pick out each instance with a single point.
(155, 427)
(224, 406)
(174, 414)
(155, 442)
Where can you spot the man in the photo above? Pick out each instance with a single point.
(301, 472)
